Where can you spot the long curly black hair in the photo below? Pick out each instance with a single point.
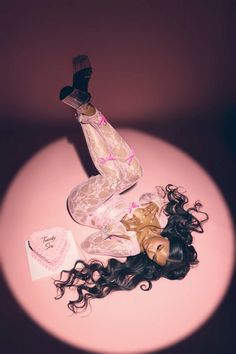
(94, 280)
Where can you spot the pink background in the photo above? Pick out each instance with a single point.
(125, 322)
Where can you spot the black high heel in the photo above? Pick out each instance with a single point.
(82, 72)
(77, 94)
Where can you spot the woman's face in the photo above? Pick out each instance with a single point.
(145, 222)
(157, 249)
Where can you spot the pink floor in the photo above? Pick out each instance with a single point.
(124, 322)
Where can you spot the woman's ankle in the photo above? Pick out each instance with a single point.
(87, 109)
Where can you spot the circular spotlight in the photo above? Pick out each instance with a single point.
(133, 321)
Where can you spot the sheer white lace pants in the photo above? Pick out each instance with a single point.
(118, 168)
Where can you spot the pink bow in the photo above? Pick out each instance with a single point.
(103, 160)
(132, 206)
(130, 158)
(103, 120)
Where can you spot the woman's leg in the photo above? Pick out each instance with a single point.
(118, 167)
(110, 153)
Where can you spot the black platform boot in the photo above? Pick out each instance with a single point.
(77, 94)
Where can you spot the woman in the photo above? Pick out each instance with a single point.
(153, 235)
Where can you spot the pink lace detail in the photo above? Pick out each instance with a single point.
(97, 202)
(110, 245)
(103, 120)
(130, 158)
(103, 160)
(132, 206)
